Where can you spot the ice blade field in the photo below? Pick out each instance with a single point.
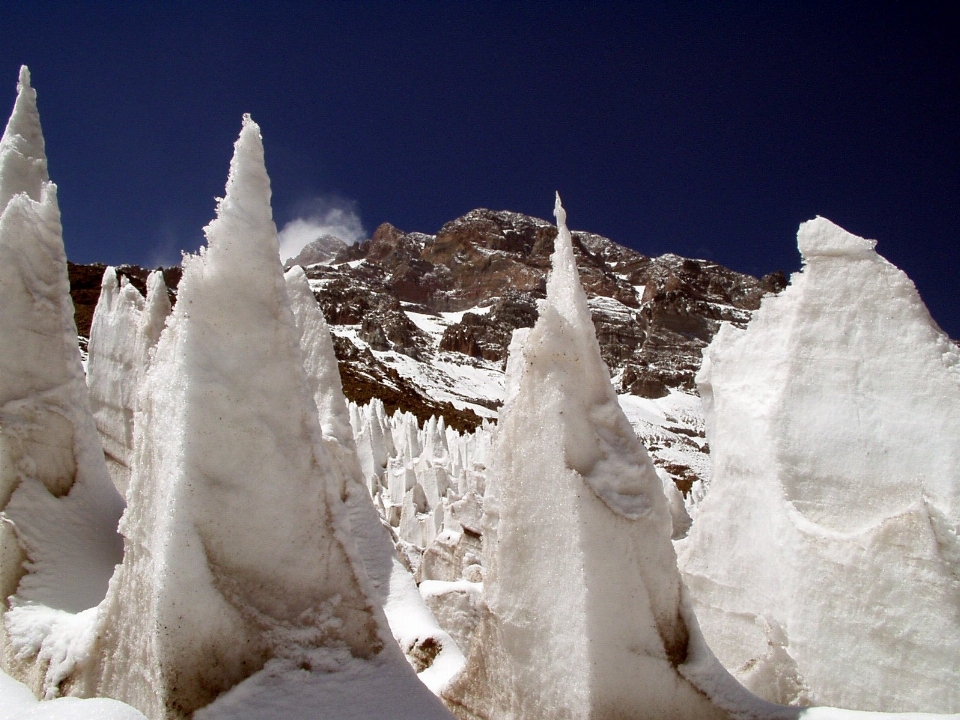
(546, 522)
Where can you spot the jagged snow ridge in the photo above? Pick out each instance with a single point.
(824, 563)
(321, 659)
(428, 482)
(58, 537)
(124, 330)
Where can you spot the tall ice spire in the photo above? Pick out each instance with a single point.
(238, 547)
(60, 509)
(23, 161)
(577, 551)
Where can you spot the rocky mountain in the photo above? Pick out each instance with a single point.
(481, 275)
(324, 249)
(423, 322)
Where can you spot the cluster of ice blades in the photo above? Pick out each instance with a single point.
(247, 557)
(124, 331)
(256, 578)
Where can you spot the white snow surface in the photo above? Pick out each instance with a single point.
(249, 570)
(580, 566)
(824, 563)
(18, 703)
(58, 533)
(352, 690)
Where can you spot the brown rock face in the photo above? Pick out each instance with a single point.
(488, 336)
(653, 315)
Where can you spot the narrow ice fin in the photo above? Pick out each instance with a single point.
(564, 291)
(393, 587)
(113, 371)
(319, 359)
(577, 551)
(59, 536)
(156, 310)
(597, 443)
(244, 216)
(23, 160)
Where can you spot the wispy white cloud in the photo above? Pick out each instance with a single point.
(327, 215)
(168, 245)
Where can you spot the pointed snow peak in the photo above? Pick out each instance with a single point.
(109, 286)
(823, 237)
(24, 82)
(244, 217)
(564, 291)
(248, 184)
(156, 309)
(23, 161)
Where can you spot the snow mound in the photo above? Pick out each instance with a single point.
(18, 703)
(824, 563)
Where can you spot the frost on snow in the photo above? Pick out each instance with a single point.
(824, 562)
(582, 616)
(58, 532)
(125, 328)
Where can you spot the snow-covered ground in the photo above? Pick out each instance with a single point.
(17, 702)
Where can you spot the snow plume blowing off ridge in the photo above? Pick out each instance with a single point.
(322, 216)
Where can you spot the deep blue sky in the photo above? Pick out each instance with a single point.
(705, 129)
